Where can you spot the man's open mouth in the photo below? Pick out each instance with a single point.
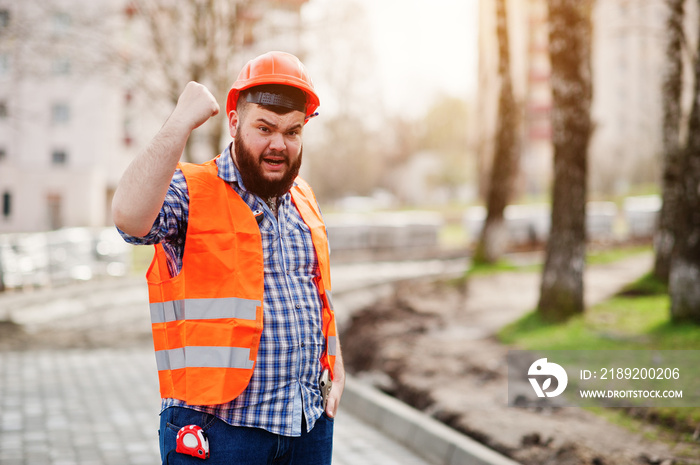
(274, 161)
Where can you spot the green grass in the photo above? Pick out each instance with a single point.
(499, 267)
(644, 286)
(593, 257)
(636, 319)
(611, 255)
(677, 424)
(621, 323)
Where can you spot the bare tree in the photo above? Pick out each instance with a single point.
(347, 161)
(198, 40)
(43, 40)
(685, 264)
(190, 40)
(664, 238)
(492, 242)
(347, 157)
(149, 48)
(561, 293)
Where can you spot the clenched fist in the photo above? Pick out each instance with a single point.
(194, 106)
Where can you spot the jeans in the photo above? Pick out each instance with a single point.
(245, 446)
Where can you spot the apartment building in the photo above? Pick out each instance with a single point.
(627, 66)
(71, 114)
(61, 138)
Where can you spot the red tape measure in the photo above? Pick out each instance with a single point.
(192, 440)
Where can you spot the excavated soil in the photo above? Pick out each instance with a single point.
(431, 345)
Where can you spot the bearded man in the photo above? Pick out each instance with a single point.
(248, 359)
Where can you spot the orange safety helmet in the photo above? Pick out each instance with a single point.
(274, 68)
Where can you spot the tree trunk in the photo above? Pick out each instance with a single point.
(561, 293)
(664, 238)
(493, 240)
(685, 265)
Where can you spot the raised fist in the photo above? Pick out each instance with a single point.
(195, 106)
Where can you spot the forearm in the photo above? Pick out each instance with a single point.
(338, 383)
(339, 368)
(141, 191)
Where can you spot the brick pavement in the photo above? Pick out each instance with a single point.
(100, 407)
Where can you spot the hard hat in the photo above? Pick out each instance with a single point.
(274, 68)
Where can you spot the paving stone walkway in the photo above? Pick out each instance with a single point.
(100, 407)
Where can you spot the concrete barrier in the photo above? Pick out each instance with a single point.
(641, 213)
(386, 235)
(600, 220)
(530, 224)
(427, 437)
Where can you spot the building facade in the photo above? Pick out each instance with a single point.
(627, 64)
(61, 128)
(72, 114)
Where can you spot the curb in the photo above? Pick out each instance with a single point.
(427, 437)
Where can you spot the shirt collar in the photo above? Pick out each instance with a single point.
(227, 168)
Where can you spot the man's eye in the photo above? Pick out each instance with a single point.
(264, 129)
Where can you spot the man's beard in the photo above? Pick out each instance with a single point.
(252, 173)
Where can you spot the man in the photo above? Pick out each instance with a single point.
(239, 286)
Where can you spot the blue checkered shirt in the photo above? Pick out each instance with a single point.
(285, 379)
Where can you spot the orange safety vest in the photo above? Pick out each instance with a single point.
(207, 320)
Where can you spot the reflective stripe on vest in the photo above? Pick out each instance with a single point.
(203, 309)
(332, 345)
(208, 319)
(203, 356)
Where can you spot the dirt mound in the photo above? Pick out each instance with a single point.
(430, 345)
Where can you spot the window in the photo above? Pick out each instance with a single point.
(60, 113)
(61, 23)
(3, 154)
(59, 157)
(3, 110)
(61, 66)
(4, 64)
(4, 19)
(6, 204)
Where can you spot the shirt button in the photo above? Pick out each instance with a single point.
(303, 344)
(298, 305)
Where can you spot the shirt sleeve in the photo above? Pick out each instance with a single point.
(171, 224)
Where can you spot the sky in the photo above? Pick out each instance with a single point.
(421, 48)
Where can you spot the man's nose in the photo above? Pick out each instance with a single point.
(277, 142)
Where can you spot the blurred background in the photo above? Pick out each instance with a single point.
(401, 154)
(506, 144)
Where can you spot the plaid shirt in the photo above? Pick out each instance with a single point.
(285, 379)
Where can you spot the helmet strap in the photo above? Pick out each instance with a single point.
(266, 98)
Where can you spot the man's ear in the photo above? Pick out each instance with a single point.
(233, 122)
